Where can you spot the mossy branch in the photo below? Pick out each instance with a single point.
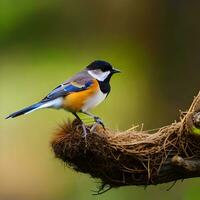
(134, 157)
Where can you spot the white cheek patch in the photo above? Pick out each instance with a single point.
(99, 75)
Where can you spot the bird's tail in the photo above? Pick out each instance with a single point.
(55, 103)
(26, 110)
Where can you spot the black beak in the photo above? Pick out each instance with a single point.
(115, 71)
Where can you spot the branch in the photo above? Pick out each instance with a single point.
(134, 157)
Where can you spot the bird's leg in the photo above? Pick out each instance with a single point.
(96, 118)
(82, 124)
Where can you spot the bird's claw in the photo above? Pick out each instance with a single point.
(93, 127)
(84, 130)
(85, 134)
(99, 121)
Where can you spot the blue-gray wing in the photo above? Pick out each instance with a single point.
(77, 83)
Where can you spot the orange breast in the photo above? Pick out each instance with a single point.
(74, 101)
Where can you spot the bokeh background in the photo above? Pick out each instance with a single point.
(155, 43)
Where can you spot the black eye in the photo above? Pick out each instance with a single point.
(104, 69)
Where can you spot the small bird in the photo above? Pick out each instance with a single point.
(78, 94)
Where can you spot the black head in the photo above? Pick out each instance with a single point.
(98, 64)
(103, 66)
(102, 71)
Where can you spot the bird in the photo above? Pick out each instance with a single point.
(79, 94)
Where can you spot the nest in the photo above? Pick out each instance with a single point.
(133, 157)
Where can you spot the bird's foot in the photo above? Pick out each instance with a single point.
(84, 130)
(84, 134)
(99, 121)
(93, 127)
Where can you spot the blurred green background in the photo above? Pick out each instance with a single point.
(155, 43)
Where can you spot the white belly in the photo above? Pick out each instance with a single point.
(94, 101)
